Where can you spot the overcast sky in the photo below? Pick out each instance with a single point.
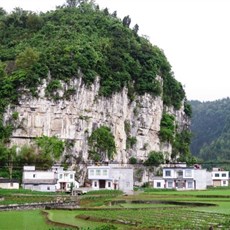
(194, 35)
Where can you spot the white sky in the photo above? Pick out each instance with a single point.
(194, 35)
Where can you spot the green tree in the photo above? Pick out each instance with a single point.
(101, 144)
(126, 21)
(132, 160)
(8, 158)
(167, 127)
(154, 159)
(72, 3)
(27, 58)
(27, 156)
(2, 70)
(50, 147)
(34, 22)
(2, 12)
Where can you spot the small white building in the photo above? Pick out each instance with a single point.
(111, 177)
(158, 182)
(9, 183)
(52, 180)
(220, 177)
(185, 178)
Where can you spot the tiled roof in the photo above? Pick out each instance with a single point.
(36, 181)
(6, 180)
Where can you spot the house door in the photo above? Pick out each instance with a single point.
(216, 183)
(101, 183)
(62, 185)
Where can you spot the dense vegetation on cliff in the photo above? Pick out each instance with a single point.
(211, 130)
(86, 39)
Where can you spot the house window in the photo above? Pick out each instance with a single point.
(158, 184)
(91, 172)
(170, 184)
(34, 175)
(98, 172)
(11, 184)
(104, 172)
(60, 176)
(180, 173)
(224, 182)
(224, 175)
(217, 175)
(109, 184)
(66, 175)
(190, 184)
(188, 173)
(95, 183)
(71, 176)
(48, 188)
(167, 173)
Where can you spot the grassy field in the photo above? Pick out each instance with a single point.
(149, 209)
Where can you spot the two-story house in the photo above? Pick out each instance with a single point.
(65, 178)
(220, 177)
(56, 179)
(183, 177)
(111, 177)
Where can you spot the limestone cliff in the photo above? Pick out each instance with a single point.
(76, 118)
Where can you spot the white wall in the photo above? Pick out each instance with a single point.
(98, 172)
(158, 182)
(220, 175)
(186, 172)
(39, 175)
(200, 176)
(41, 187)
(9, 185)
(124, 178)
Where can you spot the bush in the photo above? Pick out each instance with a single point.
(154, 159)
(132, 160)
(167, 128)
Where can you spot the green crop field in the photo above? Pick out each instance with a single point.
(149, 209)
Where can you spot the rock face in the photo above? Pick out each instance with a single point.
(76, 118)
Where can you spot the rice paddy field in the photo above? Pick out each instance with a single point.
(148, 209)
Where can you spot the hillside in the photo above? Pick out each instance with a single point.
(81, 75)
(211, 130)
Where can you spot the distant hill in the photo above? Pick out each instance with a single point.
(211, 130)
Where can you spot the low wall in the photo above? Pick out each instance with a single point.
(42, 205)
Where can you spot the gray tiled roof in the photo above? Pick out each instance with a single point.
(6, 180)
(36, 181)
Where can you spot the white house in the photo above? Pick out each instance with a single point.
(183, 177)
(38, 180)
(9, 183)
(220, 177)
(52, 180)
(111, 177)
(65, 179)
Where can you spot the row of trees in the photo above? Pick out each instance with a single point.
(42, 153)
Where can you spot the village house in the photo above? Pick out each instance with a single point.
(9, 183)
(181, 177)
(220, 177)
(56, 179)
(112, 177)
